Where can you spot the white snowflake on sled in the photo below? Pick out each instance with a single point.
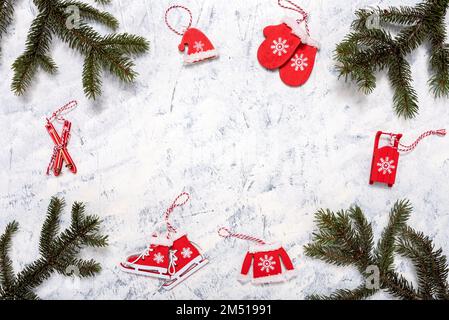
(299, 62)
(198, 46)
(266, 263)
(386, 165)
(186, 253)
(158, 258)
(279, 47)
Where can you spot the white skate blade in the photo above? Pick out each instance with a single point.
(170, 284)
(147, 273)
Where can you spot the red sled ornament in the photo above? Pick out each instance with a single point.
(170, 256)
(200, 48)
(385, 160)
(270, 263)
(289, 47)
(60, 152)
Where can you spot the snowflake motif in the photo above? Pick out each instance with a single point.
(279, 47)
(299, 62)
(266, 263)
(186, 253)
(198, 46)
(386, 165)
(158, 258)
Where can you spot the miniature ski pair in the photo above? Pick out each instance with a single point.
(170, 256)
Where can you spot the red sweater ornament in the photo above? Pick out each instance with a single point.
(269, 263)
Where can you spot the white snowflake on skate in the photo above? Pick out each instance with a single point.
(299, 62)
(386, 165)
(158, 258)
(198, 46)
(266, 263)
(186, 253)
(279, 47)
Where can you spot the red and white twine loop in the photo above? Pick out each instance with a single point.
(294, 7)
(178, 202)
(408, 148)
(57, 115)
(169, 25)
(226, 233)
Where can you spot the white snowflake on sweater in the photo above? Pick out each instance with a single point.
(198, 46)
(386, 165)
(279, 47)
(186, 253)
(299, 62)
(158, 258)
(266, 263)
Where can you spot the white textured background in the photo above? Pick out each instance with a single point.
(255, 155)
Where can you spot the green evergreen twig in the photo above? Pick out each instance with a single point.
(370, 48)
(58, 251)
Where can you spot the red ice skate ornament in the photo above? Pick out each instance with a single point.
(170, 256)
(60, 152)
(265, 259)
(289, 47)
(199, 46)
(386, 159)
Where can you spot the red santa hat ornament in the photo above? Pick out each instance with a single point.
(200, 48)
(269, 262)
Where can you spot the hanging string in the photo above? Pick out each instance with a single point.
(294, 7)
(225, 233)
(174, 205)
(169, 25)
(408, 148)
(58, 114)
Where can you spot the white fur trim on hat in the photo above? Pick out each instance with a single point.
(199, 56)
(300, 32)
(286, 275)
(264, 247)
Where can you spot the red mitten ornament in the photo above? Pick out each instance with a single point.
(278, 47)
(385, 159)
(269, 262)
(199, 46)
(300, 65)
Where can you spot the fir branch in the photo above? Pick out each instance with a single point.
(111, 52)
(6, 15)
(370, 47)
(7, 277)
(399, 216)
(59, 252)
(331, 244)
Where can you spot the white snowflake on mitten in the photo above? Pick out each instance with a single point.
(186, 253)
(158, 258)
(279, 47)
(386, 165)
(266, 263)
(299, 62)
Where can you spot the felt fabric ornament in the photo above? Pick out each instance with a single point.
(385, 159)
(269, 263)
(170, 256)
(289, 47)
(200, 48)
(60, 152)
